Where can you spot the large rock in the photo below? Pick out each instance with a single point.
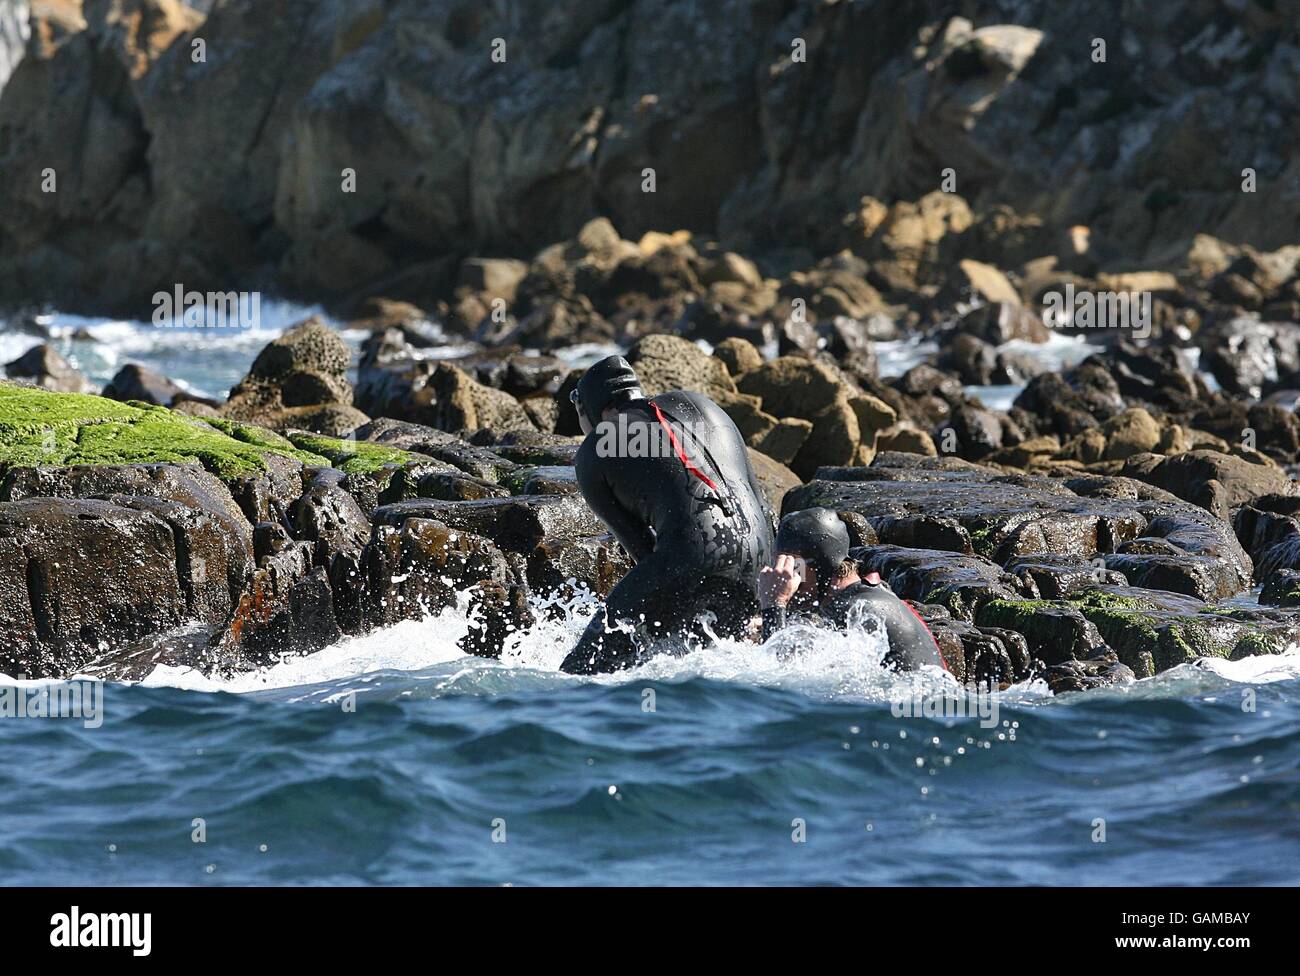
(664, 363)
(43, 366)
(56, 615)
(136, 382)
(1217, 482)
(299, 380)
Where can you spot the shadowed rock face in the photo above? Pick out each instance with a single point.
(80, 575)
(213, 167)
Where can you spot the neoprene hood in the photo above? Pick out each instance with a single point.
(609, 380)
(818, 535)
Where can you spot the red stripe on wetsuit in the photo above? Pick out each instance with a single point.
(677, 448)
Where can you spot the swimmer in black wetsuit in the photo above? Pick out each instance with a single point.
(814, 575)
(671, 478)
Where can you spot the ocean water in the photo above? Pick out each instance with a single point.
(393, 759)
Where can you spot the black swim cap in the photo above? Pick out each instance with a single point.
(818, 535)
(608, 380)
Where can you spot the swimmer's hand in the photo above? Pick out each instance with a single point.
(776, 584)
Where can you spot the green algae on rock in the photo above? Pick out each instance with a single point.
(39, 428)
(351, 456)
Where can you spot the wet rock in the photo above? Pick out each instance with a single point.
(528, 375)
(1249, 357)
(286, 609)
(978, 431)
(972, 359)
(327, 516)
(1055, 632)
(1101, 672)
(498, 616)
(519, 524)
(415, 568)
(212, 539)
(439, 445)
(1153, 630)
(1159, 377)
(1281, 588)
(944, 503)
(1060, 576)
(451, 487)
(1000, 322)
(1071, 402)
(958, 583)
(55, 615)
(561, 568)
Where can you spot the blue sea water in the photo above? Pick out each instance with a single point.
(393, 760)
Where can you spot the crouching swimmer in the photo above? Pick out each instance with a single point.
(814, 576)
(690, 512)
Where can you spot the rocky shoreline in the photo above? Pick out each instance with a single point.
(1110, 525)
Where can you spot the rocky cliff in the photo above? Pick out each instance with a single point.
(351, 148)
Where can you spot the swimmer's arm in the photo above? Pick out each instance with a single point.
(631, 534)
(773, 620)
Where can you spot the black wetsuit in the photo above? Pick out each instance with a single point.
(910, 642)
(696, 549)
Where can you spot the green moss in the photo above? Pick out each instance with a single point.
(1256, 642)
(1101, 600)
(354, 457)
(55, 429)
(1186, 640)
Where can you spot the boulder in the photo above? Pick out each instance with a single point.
(43, 366)
(664, 363)
(56, 615)
(299, 380)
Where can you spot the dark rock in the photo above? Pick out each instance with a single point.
(519, 524)
(44, 367)
(135, 382)
(958, 583)
(55, 615)
(1216, 482)
(1102, 672)
(1281, 588)
(286, 609)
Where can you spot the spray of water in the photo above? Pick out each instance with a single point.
(421, 658)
